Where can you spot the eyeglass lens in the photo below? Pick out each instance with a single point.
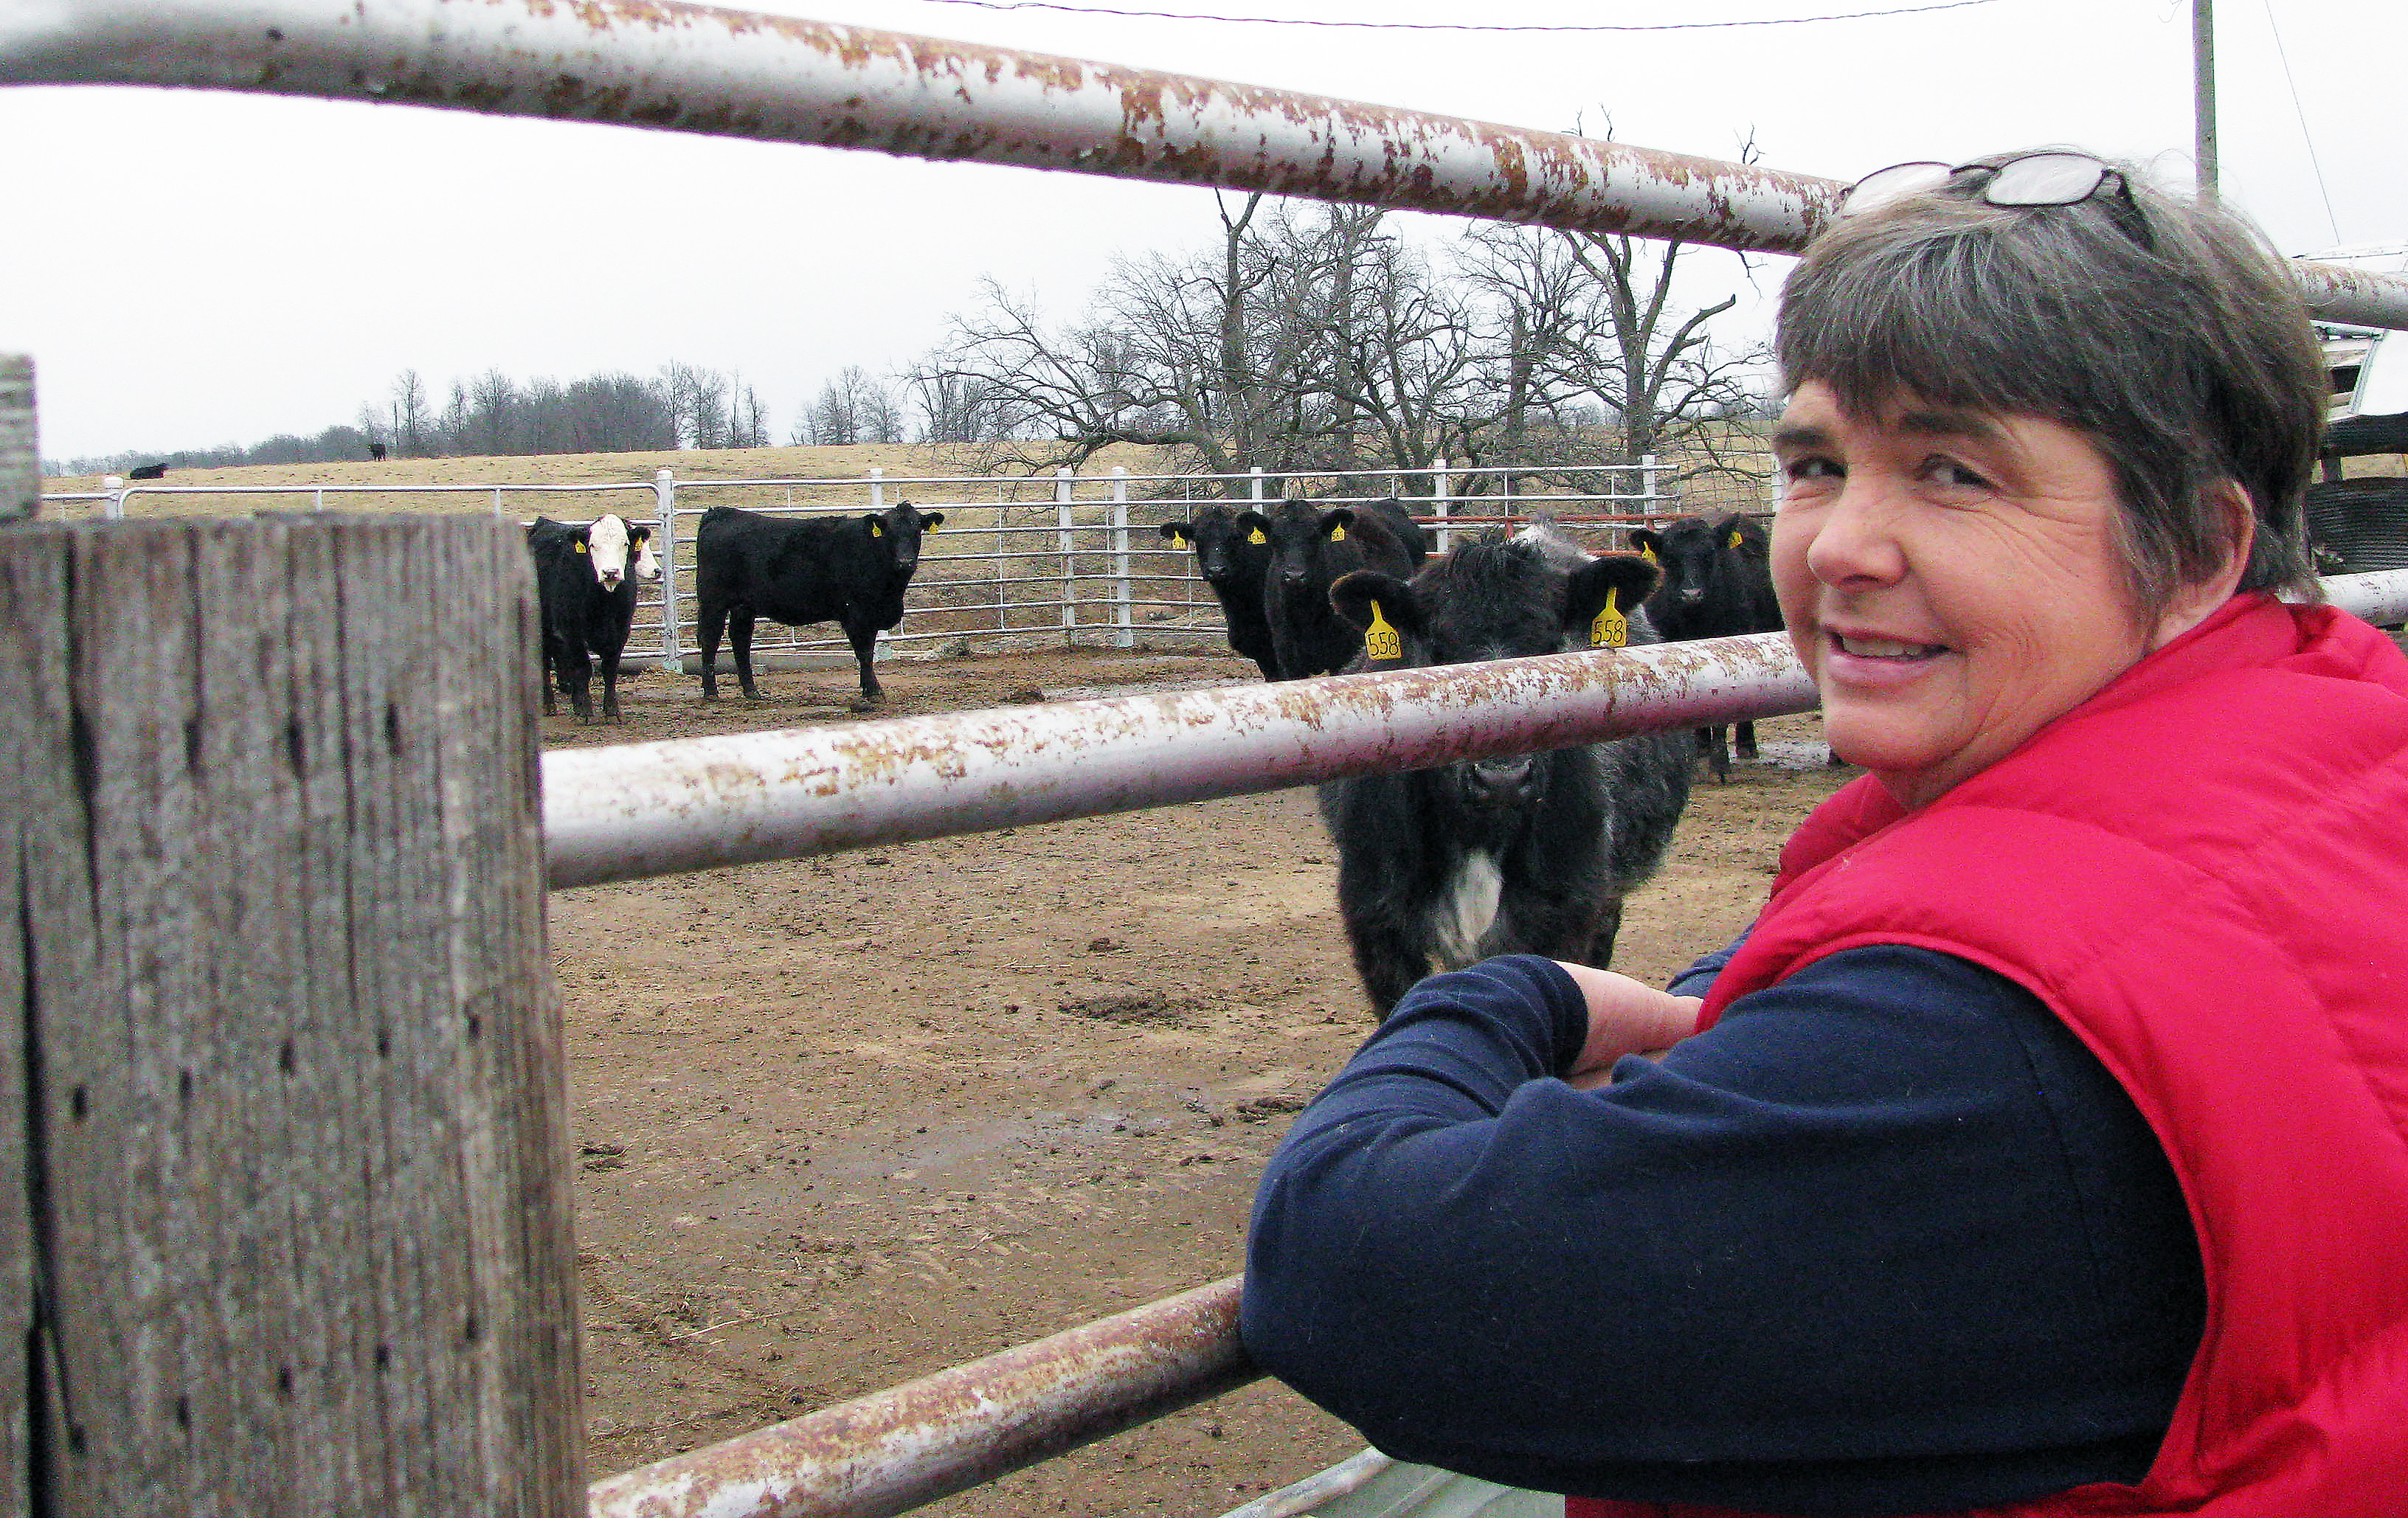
(1889, 183)
(2044, 179)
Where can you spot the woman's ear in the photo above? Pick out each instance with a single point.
(2193, 602)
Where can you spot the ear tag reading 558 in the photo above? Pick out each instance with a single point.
(1257, 537)
(1381, 644)
(1611, 629)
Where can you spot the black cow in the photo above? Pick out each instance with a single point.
(585, 579)
(1412, 536)
(1717, 583)
(376, 453)
(848, 570)
(148, 471)
(1440, 867)
(1232, 559)
(1311, 549)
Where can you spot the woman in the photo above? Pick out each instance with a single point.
(2042, 1147)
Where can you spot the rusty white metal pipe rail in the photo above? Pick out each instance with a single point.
(899, 1449)
(639, 809)
(726, 73)
(650, 808)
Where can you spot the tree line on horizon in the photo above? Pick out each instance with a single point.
(1303, 338)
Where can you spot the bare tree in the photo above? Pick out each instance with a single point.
(697, 399)
(412, 415)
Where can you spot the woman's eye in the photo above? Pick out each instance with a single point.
(1953, 474)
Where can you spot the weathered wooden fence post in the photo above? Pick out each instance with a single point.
(284, 1202)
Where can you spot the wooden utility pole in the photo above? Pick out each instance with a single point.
(284, 1179)
(2202, 105)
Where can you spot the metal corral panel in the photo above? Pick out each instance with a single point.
(2364, 521)
(1371, 1485)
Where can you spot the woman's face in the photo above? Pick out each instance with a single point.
(1950, 580)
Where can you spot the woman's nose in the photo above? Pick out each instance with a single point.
(1856, 538)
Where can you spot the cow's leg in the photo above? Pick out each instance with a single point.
(550, 665)
(1747, 742)
(576, 678)
(610, 658)
(714, 621)
(739, 633)
(863, 640)
(1600, 943)
(1717, 758)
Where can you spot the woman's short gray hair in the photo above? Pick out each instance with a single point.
(2165, 330)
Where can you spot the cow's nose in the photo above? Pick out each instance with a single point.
(1693, 593)
(1499, 780)
(610, 581)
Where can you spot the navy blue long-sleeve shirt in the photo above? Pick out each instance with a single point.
(1888, 1238)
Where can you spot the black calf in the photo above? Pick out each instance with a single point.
(849, 570)
(1440, 867)
(1310, 549)
(1232, 559)
(1717, 583)
(585, 581)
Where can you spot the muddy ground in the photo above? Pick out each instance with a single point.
(847, 1120)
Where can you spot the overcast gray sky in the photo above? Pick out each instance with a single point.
(199, 268)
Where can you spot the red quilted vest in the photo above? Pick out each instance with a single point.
(2203, 870)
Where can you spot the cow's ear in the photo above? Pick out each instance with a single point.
(1257, 524)
(932, 521)
(1625, 579)
(1372, 601)
(1176, 531)
(1335, 522)
(877, 524)
(1748, 536)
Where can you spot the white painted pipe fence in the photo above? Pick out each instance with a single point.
(1084, 563)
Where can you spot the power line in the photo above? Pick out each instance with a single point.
(2301, 112)
(1450, 26)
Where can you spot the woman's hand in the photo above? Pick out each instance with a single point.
(1625, 1017)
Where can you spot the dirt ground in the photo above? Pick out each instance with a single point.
(847, 1120)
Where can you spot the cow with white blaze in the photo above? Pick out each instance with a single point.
(585, 581)
(1440, 867)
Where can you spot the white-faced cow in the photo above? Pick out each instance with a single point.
(585, 579)
(1232, 559)
(1438, 868)
(1311, 549)
(850, 570)
(1717, 583)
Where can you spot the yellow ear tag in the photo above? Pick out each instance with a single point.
(1381, 644)
(1257, 537)
(1647, 554)
(1734, 542)
(1611, 629)
(580, 547)
(1337, 535)
(877, 531)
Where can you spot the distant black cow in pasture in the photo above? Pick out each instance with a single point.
(1311, 549)
(851, 571)
(1438, 868)
(1232, 559)
(148, 471)
(1717, 583)
(585, 579)
(376, 453)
